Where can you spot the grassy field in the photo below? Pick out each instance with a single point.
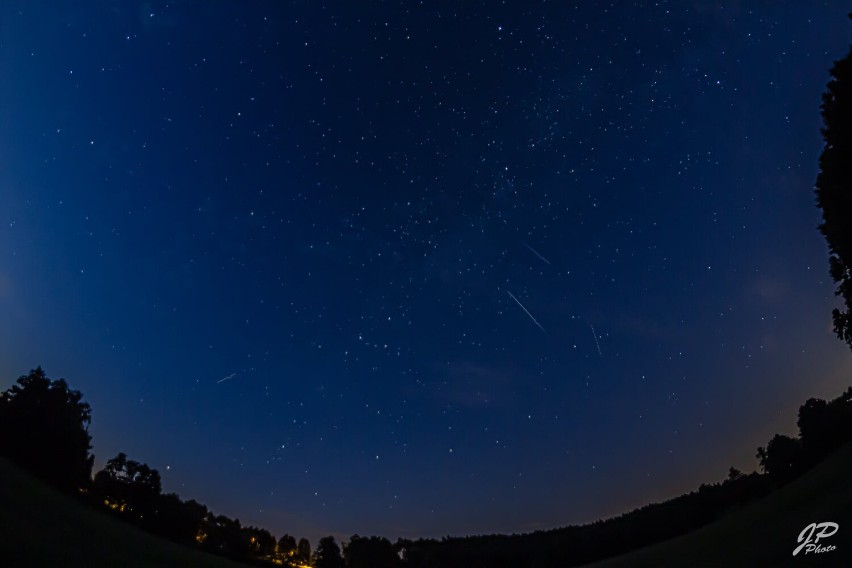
(40, 527)
(765, 533)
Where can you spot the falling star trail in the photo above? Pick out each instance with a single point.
(228, 378)
(597, 344)
(535, 321)
(535, 252)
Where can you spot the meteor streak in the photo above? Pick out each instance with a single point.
(535, 252)
(595, 335)
(228, 378)
(525, 310)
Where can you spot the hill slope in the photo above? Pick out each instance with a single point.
(765, 533)
(43, 527)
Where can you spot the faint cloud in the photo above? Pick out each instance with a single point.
(769, 290)
(474, 384)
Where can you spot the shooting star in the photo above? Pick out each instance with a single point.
(228, 378)
(535, 252)
(525, 310)
(595, 335)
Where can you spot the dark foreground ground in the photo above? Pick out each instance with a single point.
(766, 532)
(41, 527)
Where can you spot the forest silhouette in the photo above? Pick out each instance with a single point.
(44, 426)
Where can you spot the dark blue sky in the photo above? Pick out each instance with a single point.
(420, 269)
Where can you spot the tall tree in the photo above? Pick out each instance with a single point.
(304, 554)
(129, 486)
(286, 548)
(834, 188)
(782, 458)
(327, 554)
(44, 428)
(261, 542)
(824, 426)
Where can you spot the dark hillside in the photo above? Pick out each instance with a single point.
(43, 527)
(765, 533)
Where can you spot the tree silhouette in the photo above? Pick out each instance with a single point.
(224, 536)
(304, 554)
(44, 428)
(327, 554)
(370, 552)
(782, 457)
(261, 542)
(178, 520)
(815, 428)
(834, 188)
(286, 547)
(129, 486)
(825, 426)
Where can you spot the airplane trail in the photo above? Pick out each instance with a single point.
(525, 310)
(228, 378)
(535, 252)
(595, 335)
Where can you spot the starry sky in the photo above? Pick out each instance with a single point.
(420, 268)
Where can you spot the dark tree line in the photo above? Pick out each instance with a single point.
(824, 426)
(577, 545)
(834, 188)
(47, 415)
(371, 552)
(44, 428)
(132, 491)
(294, 553)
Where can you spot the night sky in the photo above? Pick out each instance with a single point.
(418, 269)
